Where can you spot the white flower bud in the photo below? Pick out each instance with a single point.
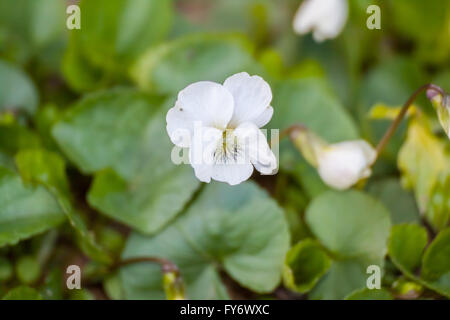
(343, 164)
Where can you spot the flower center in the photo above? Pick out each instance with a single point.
(228, 149)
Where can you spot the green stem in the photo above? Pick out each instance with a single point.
(172, 281)
(391, 130)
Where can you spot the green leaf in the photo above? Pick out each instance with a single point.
(22, 293)
(354, 227)
(52, 288)
(113, 287)
(401, 204)
(120, 136)
(350, 224)
(29, 27)
(17, 92)
(14, 137)
(310, 102)
(79, 72)
(422, 159)
(436, 260)
(344, 277)
(39, 166)
(370, 294)
(28, 269)
(116, 32)
(438, 211)
(237, 229)
(390, 83)
(429, 28)
(6, 269)
(6, 161)
(170, 67)
(306, 263)
(406, 245)
(45, 19)
(81, 294)
(25, 211)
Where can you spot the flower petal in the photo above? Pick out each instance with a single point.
(232, 174)
(209, 103)
(252, 96)
(201, 153)
(254, 142)
(325, 18)
(264, 117)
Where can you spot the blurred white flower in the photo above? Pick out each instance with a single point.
(220, 126)
(441, 103)
(325, 18)
(340, 165)
(343, 164)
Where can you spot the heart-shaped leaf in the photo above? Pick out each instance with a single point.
(120, 136)
(171, 67)
(306, 263)
(17, 92)
(39, 166)
(114, 33)
(237, 229)
(25, 211)
(406, 245)
(422, 159)
(354, 227)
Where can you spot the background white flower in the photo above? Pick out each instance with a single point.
(220, 126)
(325, 18)
(343, 164)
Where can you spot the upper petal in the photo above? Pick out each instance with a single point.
(308, 15)
(264, 117)
(208, 103)
(252, 96)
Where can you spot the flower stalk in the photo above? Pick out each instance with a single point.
(394, 126)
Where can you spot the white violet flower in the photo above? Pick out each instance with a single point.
(220, 126)
(325, 18)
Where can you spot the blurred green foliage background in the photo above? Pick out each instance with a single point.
(86, 177)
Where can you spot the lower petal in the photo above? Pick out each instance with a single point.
(201, 153)
(232, 174)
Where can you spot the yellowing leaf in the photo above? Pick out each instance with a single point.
(382, 111)
(422, 159)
